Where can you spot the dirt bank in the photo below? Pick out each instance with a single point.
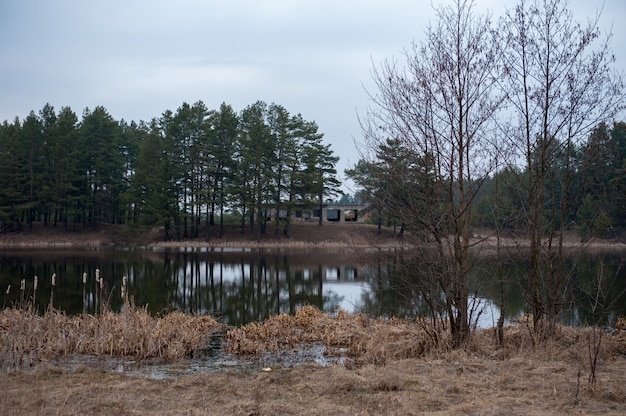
(303, 234)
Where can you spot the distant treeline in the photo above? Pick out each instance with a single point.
(590, 176)
(181, 170)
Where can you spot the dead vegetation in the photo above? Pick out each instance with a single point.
(379, 341)
(359, 338)
(27, 337)
(393, 367)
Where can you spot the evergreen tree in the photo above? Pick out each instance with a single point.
(101, 138)
(66, 153)
(224, 125)
(153, 185)
(172, 172)
(12, 176)
(31, 156)
(282, 130)
(256, 157)
(320, 181)
(618, 179)
(187, 132)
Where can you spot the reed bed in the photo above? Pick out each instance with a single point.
(27, 337)
(364, 340)
(357, 337)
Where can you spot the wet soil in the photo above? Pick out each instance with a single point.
(460, 383)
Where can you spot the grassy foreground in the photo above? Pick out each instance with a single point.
(392, 367)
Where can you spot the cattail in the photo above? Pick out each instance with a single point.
(101, 281)
(123, 292)
(54, 283)
(84, 293)
(22, 288)
(98, 298)
(35, 290)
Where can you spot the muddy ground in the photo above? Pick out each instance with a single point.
(459, 383)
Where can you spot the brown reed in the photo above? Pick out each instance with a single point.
(362, 339)
(53, 282)
(27, 337)
(22, 292)
(35, 281)
(366, 340)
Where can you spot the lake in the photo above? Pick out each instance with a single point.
(239, 286)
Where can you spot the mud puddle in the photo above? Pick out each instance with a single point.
(211, 359)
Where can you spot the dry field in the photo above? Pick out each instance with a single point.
(391, 368)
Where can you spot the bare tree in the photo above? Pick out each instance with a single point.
(441, 106)
(560, 84)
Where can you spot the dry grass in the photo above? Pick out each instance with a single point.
(361, 339)
(27, 337)
(460, 384)
(366, 340)
(397, 369)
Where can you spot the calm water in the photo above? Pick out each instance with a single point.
(240, 286)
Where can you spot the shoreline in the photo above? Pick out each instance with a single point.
(484, 246)
(304, 236)
(200, 244)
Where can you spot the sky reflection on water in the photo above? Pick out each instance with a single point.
(240, 286)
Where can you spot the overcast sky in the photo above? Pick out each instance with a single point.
(140, 58)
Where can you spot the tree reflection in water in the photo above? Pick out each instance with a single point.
(236, 285)
(240, 286)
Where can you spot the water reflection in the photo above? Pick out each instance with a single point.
(238, 286)
(245, 285)
(402, 284)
